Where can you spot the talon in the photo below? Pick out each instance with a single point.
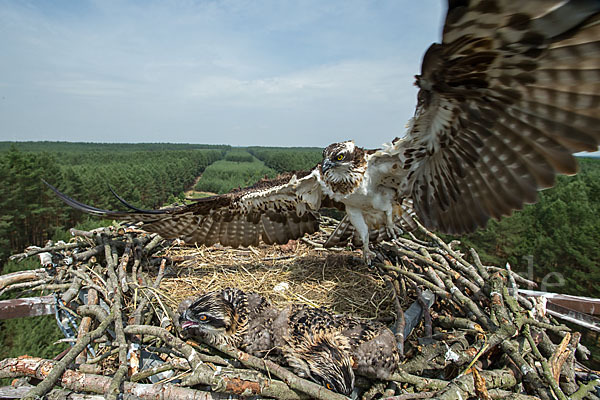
(368, 257)
(391, 232)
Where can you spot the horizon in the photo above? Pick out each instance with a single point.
(584, 154)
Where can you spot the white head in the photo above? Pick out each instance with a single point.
(343, 163)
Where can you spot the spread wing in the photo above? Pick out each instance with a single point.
(275, 210)
(511, 92)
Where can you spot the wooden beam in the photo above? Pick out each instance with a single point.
(27, 307)
(587, 305)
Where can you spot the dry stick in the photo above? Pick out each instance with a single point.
(547, 372)
(150, 372)
(122, 270)
(89, 282)
(521, 320)
(86, 255)
(78, 232)
(72, 292)
(476, 290)
(411, 396)
(66, 246)
(137, 260)
(529, 373)
(431, 274)
(585, 389)
(102, 356)
(512, 284)
(434, 356)
(83, 382)
(134, 351)
(418, 382)
(53, 287)
(518, 278)
(508, 395)
(95, 311)
(246, 382)
(293, 381)
(24, 285)
(458, 323)
(375, 390)
(442, 261)
(416, 244)
(569, 384)
(20, 276)
(111, 263)
(60, 367)
(559, 357)
(85, 325)
(464, 386)
(137, 315)
(153, 243)
(418, 279)
(498, 313)
(470, 305)
(466, 272)
(400, 320)
(417, 256)
(480, 268)
(445, 246)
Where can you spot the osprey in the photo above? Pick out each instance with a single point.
(326, 348)
(506, 98)
(307, 339)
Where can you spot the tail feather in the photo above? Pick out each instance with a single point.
(79, 205)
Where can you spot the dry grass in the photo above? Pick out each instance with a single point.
(293, 273)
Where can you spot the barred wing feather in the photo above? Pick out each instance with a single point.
(274, 210)
(505, 100)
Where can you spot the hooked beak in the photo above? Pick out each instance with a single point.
(188, 324)
(327, 165)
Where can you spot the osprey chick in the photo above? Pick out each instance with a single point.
(316, 344)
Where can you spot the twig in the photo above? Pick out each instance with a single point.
(547, 371)
(222, 380)
(60, 367)
(114, 388)
(82, 382)
(33, 252)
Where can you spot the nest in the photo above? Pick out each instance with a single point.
(294, 273)
(473, 334)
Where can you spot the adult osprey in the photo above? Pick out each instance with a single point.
(511, 92)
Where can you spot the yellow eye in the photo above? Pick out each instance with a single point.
(340, 157)
(329, 386)
(202, 318)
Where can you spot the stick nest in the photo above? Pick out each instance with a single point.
(116, 289)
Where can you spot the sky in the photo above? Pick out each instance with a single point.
(256, 72)
(237, 72)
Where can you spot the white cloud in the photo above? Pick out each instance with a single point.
(238, 72)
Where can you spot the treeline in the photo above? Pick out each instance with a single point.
(238, 169)
(85, 147)
(284, 159)
(31, 213)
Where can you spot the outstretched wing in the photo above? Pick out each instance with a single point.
(511, 92)
(275, 210)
